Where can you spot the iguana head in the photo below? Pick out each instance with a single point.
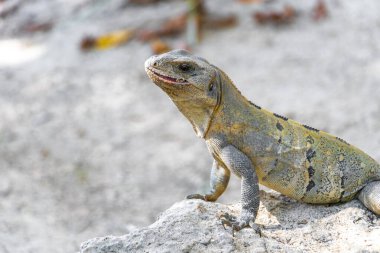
(179, 70)
(190, 81)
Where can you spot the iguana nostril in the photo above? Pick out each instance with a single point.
(155, 64)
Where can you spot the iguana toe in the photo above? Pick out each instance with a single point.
(196, 196)
(206, 197)
(238, 224)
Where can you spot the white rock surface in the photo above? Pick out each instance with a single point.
(287, 226)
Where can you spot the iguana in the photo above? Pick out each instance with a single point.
(259, 146)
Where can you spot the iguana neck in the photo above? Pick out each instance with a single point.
(230, 107)
(199, 111)
(234, 109)
(198, 115)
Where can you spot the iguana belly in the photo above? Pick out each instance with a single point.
(295, 183)
(328, 178)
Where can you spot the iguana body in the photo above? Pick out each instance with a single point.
(259, 146)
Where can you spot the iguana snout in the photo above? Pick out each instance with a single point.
(157, 70)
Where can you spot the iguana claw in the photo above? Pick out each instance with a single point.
(238, 224)
(233, 222)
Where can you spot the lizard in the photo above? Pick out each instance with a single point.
(259, 146)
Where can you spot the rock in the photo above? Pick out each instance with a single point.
(287, 226)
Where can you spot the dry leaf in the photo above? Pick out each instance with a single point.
(37, 27)
(171, 27)
(159, 47)
(284, 16)
(142, 2)
(107, 40)
(217, 22)
(319, 11)
(250, 1)
(9, 7)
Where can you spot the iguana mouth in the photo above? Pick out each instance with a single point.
(167, 79)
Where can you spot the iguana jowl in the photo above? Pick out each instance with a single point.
(259, 146)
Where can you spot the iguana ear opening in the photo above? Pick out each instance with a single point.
(214, 87)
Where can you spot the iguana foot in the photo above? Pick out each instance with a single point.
(206, 197)
(196, 196)
(239, 223)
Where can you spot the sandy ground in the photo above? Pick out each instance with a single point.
(90, 147)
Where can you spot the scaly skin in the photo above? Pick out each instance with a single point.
(259, 146)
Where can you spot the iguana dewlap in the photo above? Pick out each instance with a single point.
(259, 146)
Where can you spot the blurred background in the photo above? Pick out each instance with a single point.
(90, 147)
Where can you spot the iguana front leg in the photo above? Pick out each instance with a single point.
(218, 183)
(242, 166)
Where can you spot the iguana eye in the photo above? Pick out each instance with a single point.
(184, 67)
